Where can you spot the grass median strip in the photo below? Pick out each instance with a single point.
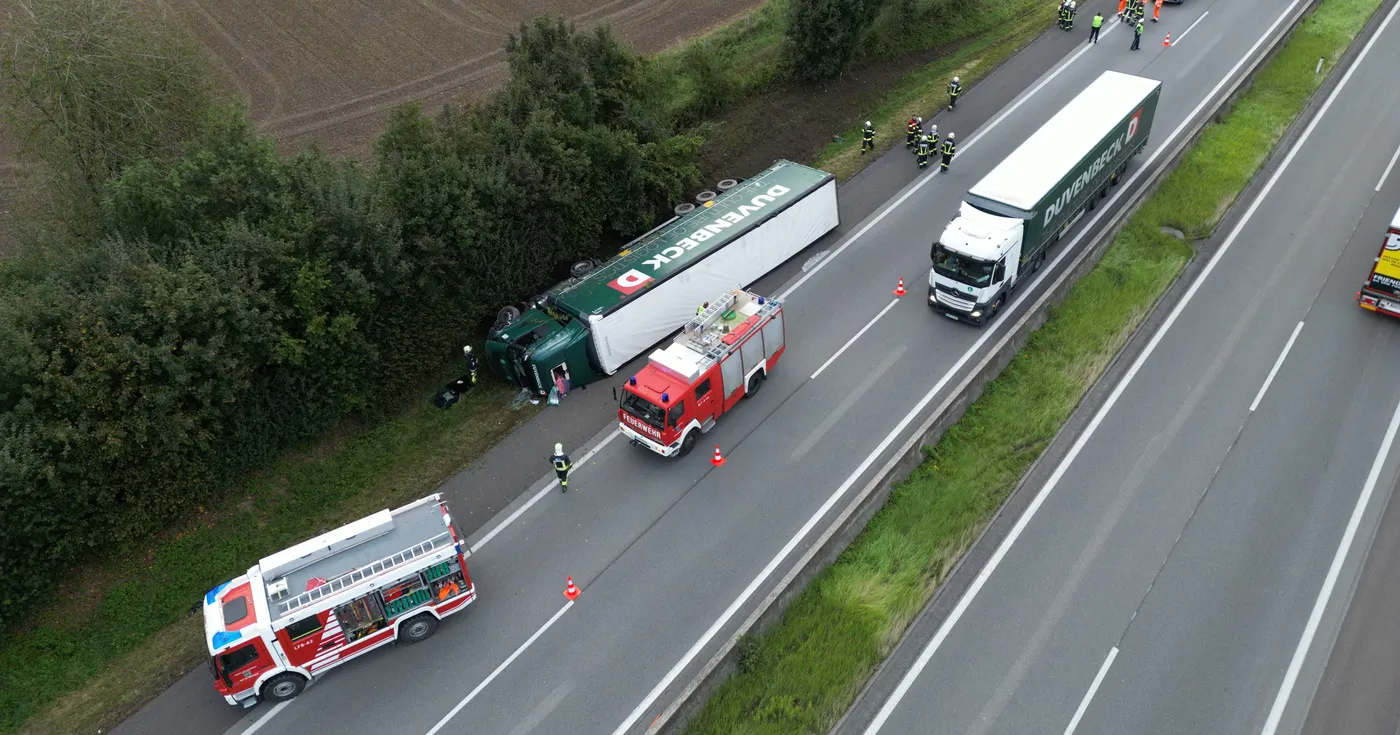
(802, 674)
(89, 664)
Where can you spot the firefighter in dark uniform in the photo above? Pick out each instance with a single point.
(933, 139)
(949, 148)
(911, 133)
(918, 133)
(867, 138)
(473, 367)
(562, 465)
(1063, 16)
(923, 151)
(954, 89)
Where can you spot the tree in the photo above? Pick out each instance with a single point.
(823, 35)
(92, 86)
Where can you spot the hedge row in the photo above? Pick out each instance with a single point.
(236, 302)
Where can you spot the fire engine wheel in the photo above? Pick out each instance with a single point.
(418, 628)
(283, 687)
(755, 383)
(688, 443)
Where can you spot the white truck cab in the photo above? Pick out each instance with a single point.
(976, 262)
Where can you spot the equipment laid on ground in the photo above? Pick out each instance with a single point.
(1381, 292)
(722, 355)
(302, 611)
(586, 328)
(1008, 221)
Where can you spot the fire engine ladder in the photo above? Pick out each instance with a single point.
(704, 319)
(352, 578)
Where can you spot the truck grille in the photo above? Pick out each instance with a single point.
(950, 300)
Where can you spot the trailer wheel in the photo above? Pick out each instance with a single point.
(688, 443)
(755, 383)
(283, 687)
(418, 628)
(582, 268)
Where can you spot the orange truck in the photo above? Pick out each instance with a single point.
(720, 357)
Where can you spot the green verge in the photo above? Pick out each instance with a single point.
(83, 666)
(89, 664)
(803, 673)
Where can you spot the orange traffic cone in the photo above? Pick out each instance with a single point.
(1168, 40)
(899, 290)
(571, 591)
(718, 461)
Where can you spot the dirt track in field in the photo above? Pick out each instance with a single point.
(327, 72)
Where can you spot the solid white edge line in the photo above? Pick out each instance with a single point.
(1388, 166)
(921, 181)
(553, 483)
(1290, 679)
(995, 560)
(1277, 364)
(270, 714)
(1188, 28)
(1089, 695)
(852, 340)
(499, 669)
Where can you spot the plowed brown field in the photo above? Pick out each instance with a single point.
(328, 71)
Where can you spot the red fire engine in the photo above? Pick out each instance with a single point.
(723, 354)
(302, 611)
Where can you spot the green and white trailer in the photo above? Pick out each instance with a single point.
(1008, 221)
(589, 326)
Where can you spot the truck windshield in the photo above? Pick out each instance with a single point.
(643, 409)
(961, 268)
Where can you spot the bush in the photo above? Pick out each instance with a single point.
(823, 35)
(235, 302)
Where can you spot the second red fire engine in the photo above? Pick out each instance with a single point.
(721, 356)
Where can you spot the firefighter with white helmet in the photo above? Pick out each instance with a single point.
(562, 465)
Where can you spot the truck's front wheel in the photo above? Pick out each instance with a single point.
(283, 687)
(688, 443)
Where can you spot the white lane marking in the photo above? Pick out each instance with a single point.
(1290, 678)
(1277, 364)
(270, 714)
(919, 184)
(499, 669)
(1089, 695)
(1388, 166)
(540, 495)
(852, 340)
(992, 563)
(850, 400)
(1188, 28)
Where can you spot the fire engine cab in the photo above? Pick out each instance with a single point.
(302, 611)
(721, 356)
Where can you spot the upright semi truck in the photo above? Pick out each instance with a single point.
(587, 327)
(1381, 291)
(1008, 221)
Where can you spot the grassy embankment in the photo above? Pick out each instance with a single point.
(802, 674)
(84, 665)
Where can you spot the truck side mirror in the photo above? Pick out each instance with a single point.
(933, 252)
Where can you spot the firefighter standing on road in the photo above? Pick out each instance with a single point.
(562, 465)
(949, 148)
(954, 89)
(933, 139)
(867, 138)
(1137, 36)
(923, 151)
(1094, 27)
(911, 133)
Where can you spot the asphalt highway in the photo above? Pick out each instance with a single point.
(1179, 566)
(671, 555)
